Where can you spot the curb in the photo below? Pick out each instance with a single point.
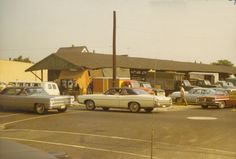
(233, 110)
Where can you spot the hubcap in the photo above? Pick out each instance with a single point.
(90, 105)
(40, 108)
(134, 107)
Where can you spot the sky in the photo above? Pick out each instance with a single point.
(181, 30)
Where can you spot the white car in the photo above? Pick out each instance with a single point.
(33, 98)
(133, 99)
(50, 87)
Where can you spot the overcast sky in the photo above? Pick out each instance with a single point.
(182, 30)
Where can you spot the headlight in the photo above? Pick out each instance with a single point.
(72, 99)
(51, 103)
(157, 101)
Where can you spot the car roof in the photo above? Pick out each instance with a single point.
(22, 87)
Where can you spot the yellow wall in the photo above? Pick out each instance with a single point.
(15, 71)
(81, 77)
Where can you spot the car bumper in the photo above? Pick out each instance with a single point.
(59, 105)
(164, 103)
(209, 103)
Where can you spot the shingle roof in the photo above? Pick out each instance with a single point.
(94, 61)
(76, 49)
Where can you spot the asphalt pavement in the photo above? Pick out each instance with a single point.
(174, 132)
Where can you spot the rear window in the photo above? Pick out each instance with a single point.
(49, 86)
(11, 91)
(35, 91)
(54, 86)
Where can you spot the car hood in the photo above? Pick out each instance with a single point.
(162, 98)
(99, 95)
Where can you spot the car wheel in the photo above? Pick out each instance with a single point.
(40, 108)
(90, 105)
(134, 107)
(204, 106)
(62, 110)
(221, 105)
(105, 108)
(148, 110)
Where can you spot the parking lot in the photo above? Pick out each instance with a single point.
(175, 132)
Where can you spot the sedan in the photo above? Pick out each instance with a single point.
(133, 99)
(220, 99)
(192, 95)
(33, 98)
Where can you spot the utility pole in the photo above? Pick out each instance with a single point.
(114, 50)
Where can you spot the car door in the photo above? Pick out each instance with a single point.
(109, 99)
(193, 95)
(9, 98)
(124, 98)
(24, 101)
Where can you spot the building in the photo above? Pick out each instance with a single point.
(15, 71)
(78, 60)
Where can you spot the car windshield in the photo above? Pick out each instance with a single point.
(210, 91)
(216, 91)
(36, 91)
(139, 91)
(221, 92)
(135, 84)
(230, 84)
(112, 91)
(186, 83)
(202, 91)
(207, 82)
(146, 85)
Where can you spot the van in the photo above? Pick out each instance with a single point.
(50, 87)
(24, 83)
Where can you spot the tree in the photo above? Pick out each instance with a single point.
(223, 63)
(21, 59)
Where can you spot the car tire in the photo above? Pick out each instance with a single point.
(62, 110)
(134, 107)
(40, 108)
(204, 106)
(221, 105)
(148, 110)
(90, 105)
(105, 108)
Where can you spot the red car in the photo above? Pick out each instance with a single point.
(220, 99)
(136, 84)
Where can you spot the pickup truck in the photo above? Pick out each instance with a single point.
(202, 83)
(220, 100)
(136, 84)
(147, 85)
